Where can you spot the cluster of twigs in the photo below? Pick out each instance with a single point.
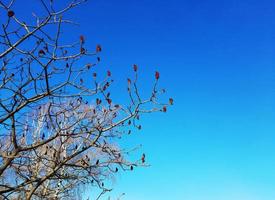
(52, 139)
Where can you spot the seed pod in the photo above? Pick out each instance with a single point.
(10, 13)
(109, 101)
(171, 101)
(82, 39)
(135, 67)
(143, 158)
(98, 101)
(98, 48)
(82, 50)
(157, 75)
(41, 52)
(89, 65)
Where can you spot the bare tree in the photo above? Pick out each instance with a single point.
(56, 131)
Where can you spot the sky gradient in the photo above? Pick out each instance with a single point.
(216, 59)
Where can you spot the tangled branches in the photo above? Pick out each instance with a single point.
(57, 131)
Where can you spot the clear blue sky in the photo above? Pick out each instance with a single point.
(216, 58)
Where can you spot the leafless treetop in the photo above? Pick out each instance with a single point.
(56, 131)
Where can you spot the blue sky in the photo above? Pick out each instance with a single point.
(216, 58)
